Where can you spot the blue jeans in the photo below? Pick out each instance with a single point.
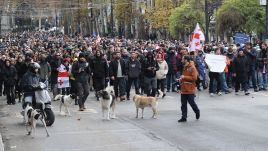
(262, 78)
(224, 86)
(252, 77)
(171, 79)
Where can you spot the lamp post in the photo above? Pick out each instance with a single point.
(206, 20)
(266, 27)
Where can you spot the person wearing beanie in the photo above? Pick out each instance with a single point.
(241, 68)
(81, 72)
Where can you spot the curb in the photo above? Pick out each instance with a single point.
(1, 143)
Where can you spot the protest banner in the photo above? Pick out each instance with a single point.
(216, 63)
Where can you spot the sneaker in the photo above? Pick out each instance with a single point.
(236, 92)
(122, 98)
(211, 94)
(256, 90)
(182, 120)
(197, 115)
(219, 93)
(247, 93)
(163, 95)
(227, 92)
(81, 109)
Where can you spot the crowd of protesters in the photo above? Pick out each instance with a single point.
(92, 64)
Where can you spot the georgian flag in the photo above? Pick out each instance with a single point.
(98, 40)
(63, 77)
(198, 36)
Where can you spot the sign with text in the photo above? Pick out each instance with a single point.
(263, 2)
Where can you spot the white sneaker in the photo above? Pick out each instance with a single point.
(211, 94)
(219, 93)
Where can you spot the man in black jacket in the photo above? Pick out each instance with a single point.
(150, 66)
(241, 68)
(251, 54)
(81, 71)
(55, 64)
(133, 70)
(2, 68)
(100, 71)
(262, 59)
(21, 70)
(117, 74)
(10, 76)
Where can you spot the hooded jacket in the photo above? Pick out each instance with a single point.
(163, 70)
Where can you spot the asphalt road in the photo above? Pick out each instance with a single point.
(227, 123)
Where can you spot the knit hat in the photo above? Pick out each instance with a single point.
(82, 55)
(240, 49)
(66, 60)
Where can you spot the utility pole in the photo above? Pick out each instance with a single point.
(112, 19)
(266, 27)
(206, 20)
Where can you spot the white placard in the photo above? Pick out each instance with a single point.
(216, 63)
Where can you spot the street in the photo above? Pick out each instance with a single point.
(228, 122)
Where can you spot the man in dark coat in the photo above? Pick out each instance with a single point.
(10, 76)
(81, 71)
(262, 59)
(117, 74)
(100, 72)
(241, 69)
(21, 70)
(251, 54)
(2, 68)
(133, 71)
(55, 64)
(171, 60)
(150, 66)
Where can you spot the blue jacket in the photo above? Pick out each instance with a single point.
(200, 67)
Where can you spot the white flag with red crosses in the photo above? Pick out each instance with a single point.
(63, 77)
(198, 36)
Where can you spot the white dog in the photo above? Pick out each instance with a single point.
(66, 101)
(31, 117)
(107, 100)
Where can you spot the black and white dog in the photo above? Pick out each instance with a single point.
(66, 101)
(31, 116)
(107, 100)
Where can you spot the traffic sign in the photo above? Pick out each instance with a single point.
(263, 2)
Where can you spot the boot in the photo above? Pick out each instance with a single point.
(182, 120)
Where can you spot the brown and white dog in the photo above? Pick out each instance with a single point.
(144, 101)
(31, 117)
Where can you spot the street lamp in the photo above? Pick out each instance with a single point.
(206, 20)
